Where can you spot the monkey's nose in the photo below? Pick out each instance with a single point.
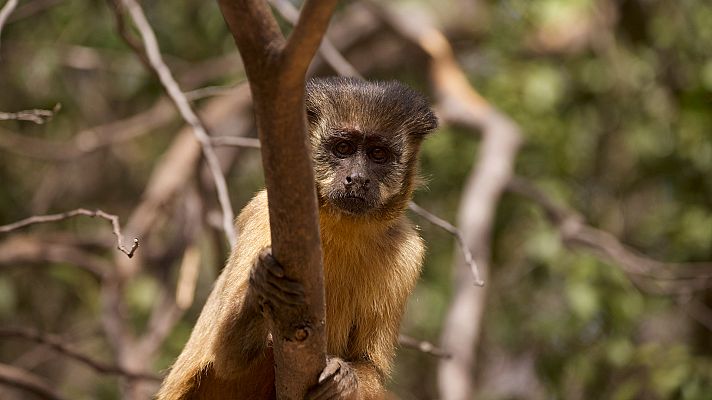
(356, 179)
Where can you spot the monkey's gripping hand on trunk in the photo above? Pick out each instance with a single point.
(337, 381)
(273, 293)
(272, 289)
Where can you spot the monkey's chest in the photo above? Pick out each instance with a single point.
(351, 305)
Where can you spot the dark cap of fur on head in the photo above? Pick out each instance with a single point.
(384, 107)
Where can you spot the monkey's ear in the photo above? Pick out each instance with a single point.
(427, 123)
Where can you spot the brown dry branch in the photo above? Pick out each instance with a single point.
(57, 344)
(276, 68)
(180, 161)
(210, 91)
(30, 249)
(123, 31)
(461, 104)
(31, 8)
(698, 311)
(27, 381)
(188, 277)
(422, 346)
(37, 116)
(171, 86)
(236, 141)
(327, 50)
(649, 275)
(89, 140)
(5, 12)
(39, 219)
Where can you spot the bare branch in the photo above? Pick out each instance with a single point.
(306, 36)
(175, 93)
(26, 249)
(327, 50)
(57, 344)
(122, 29)
(236, 141)
(32, 8)
(25, 380)
(668, 278)
(698, 311)
(5, 12)
(423, 346)
(210, 91)
(435, 220)
(37, 116)
(39, 219)
(188, 277)
(90, 139)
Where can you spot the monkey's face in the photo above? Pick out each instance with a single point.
(359, 172)
(365, 137)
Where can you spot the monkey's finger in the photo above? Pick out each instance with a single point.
(276, 292)
(333, 366)
(270, 263)
(287, 285)
(323, 391)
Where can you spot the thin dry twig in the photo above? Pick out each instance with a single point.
(423, 346)
(171, 86)
(57, 344)
(38, 116)
(39, 219)
(25, 380)
(89, 140)
(236, 141)
(435, 220)
(209, 91)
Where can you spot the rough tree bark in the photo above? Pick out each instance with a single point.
(276, 68)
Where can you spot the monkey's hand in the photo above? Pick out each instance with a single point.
(337, 381)
(272, 289)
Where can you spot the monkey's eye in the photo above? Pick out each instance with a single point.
(344, 148)
(378, 154)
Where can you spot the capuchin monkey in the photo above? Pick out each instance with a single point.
(365, 139)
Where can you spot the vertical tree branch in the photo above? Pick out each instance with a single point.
(276, 70)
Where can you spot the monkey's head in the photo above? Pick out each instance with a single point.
(366, 137)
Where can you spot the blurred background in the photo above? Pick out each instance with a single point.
(613, 102)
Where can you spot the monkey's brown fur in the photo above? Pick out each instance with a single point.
(372, 259)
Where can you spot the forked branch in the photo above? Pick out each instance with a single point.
(276, 68)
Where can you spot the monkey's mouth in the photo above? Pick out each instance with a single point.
(352, 203)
